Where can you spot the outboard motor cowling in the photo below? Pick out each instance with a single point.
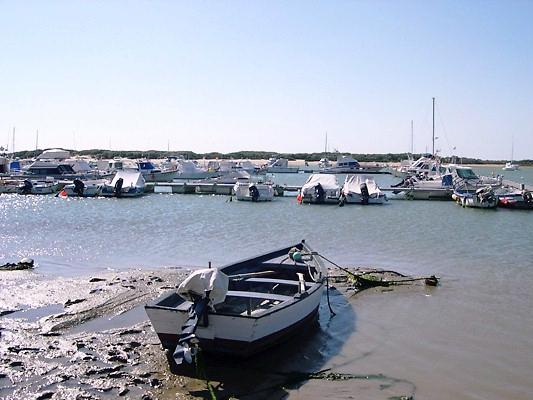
(364, 192)
(118, 187)
(79, 187)
(27, 186)
(254, 193)
(319, 193)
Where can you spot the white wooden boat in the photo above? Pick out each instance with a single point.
(320, 189)
(358, 189)
(125, 183)
(242, 308)
(253, 191)
(482, 198)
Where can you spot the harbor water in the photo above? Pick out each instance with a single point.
(471, 337)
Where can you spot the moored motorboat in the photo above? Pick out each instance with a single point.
(358, 189)
(320, 189)
(253, 191)
(82, 188)
(482, 198)
(151, 173)
(349, 165)
(38, 186)
(426, 166)
(8, 185)
(417, 188)
(515, 199)
(242, 308)
(277, 165)
(125, 183)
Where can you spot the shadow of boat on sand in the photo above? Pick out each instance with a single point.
(270, 374)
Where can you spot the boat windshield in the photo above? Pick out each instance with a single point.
(466, 173)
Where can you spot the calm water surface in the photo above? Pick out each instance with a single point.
(470, 338)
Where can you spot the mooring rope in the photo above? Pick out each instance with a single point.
(199, 363)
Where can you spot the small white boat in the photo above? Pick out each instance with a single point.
(191, 170)
(82, 188)
(349, 165)
(412, 188)
(125, 183)
(515, 199)
(466, 180)
(153, 174)
(361, 190)
(320, 189)
(427, 166)
(253, 191)
(278, 166)
(8, 185)
(40, 186)
(482, 198)
(511, 166)
(242, 308)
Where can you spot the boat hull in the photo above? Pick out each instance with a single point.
(474, 201)
(241, 336)
(269, 299)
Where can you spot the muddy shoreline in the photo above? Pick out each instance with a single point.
(45, 353)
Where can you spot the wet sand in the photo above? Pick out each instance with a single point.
(88, 337)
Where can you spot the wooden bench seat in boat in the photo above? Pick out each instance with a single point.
(278, 281)
(258, 295)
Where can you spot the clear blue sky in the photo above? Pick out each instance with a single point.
(268, 75)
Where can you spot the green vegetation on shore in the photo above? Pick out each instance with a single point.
(259, 155)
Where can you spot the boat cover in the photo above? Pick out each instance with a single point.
(205, 282)
(353, 183)
(130, 178)
(328, 181)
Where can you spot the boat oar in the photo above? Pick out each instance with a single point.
(187, 336)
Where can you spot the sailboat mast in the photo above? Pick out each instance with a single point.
(433, 152)
(412, 144)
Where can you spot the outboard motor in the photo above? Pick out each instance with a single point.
(27, 186)
(79, 187)
(485, 195)
(254, 193)
(364, 192)
(118, 187)
(319, 193)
